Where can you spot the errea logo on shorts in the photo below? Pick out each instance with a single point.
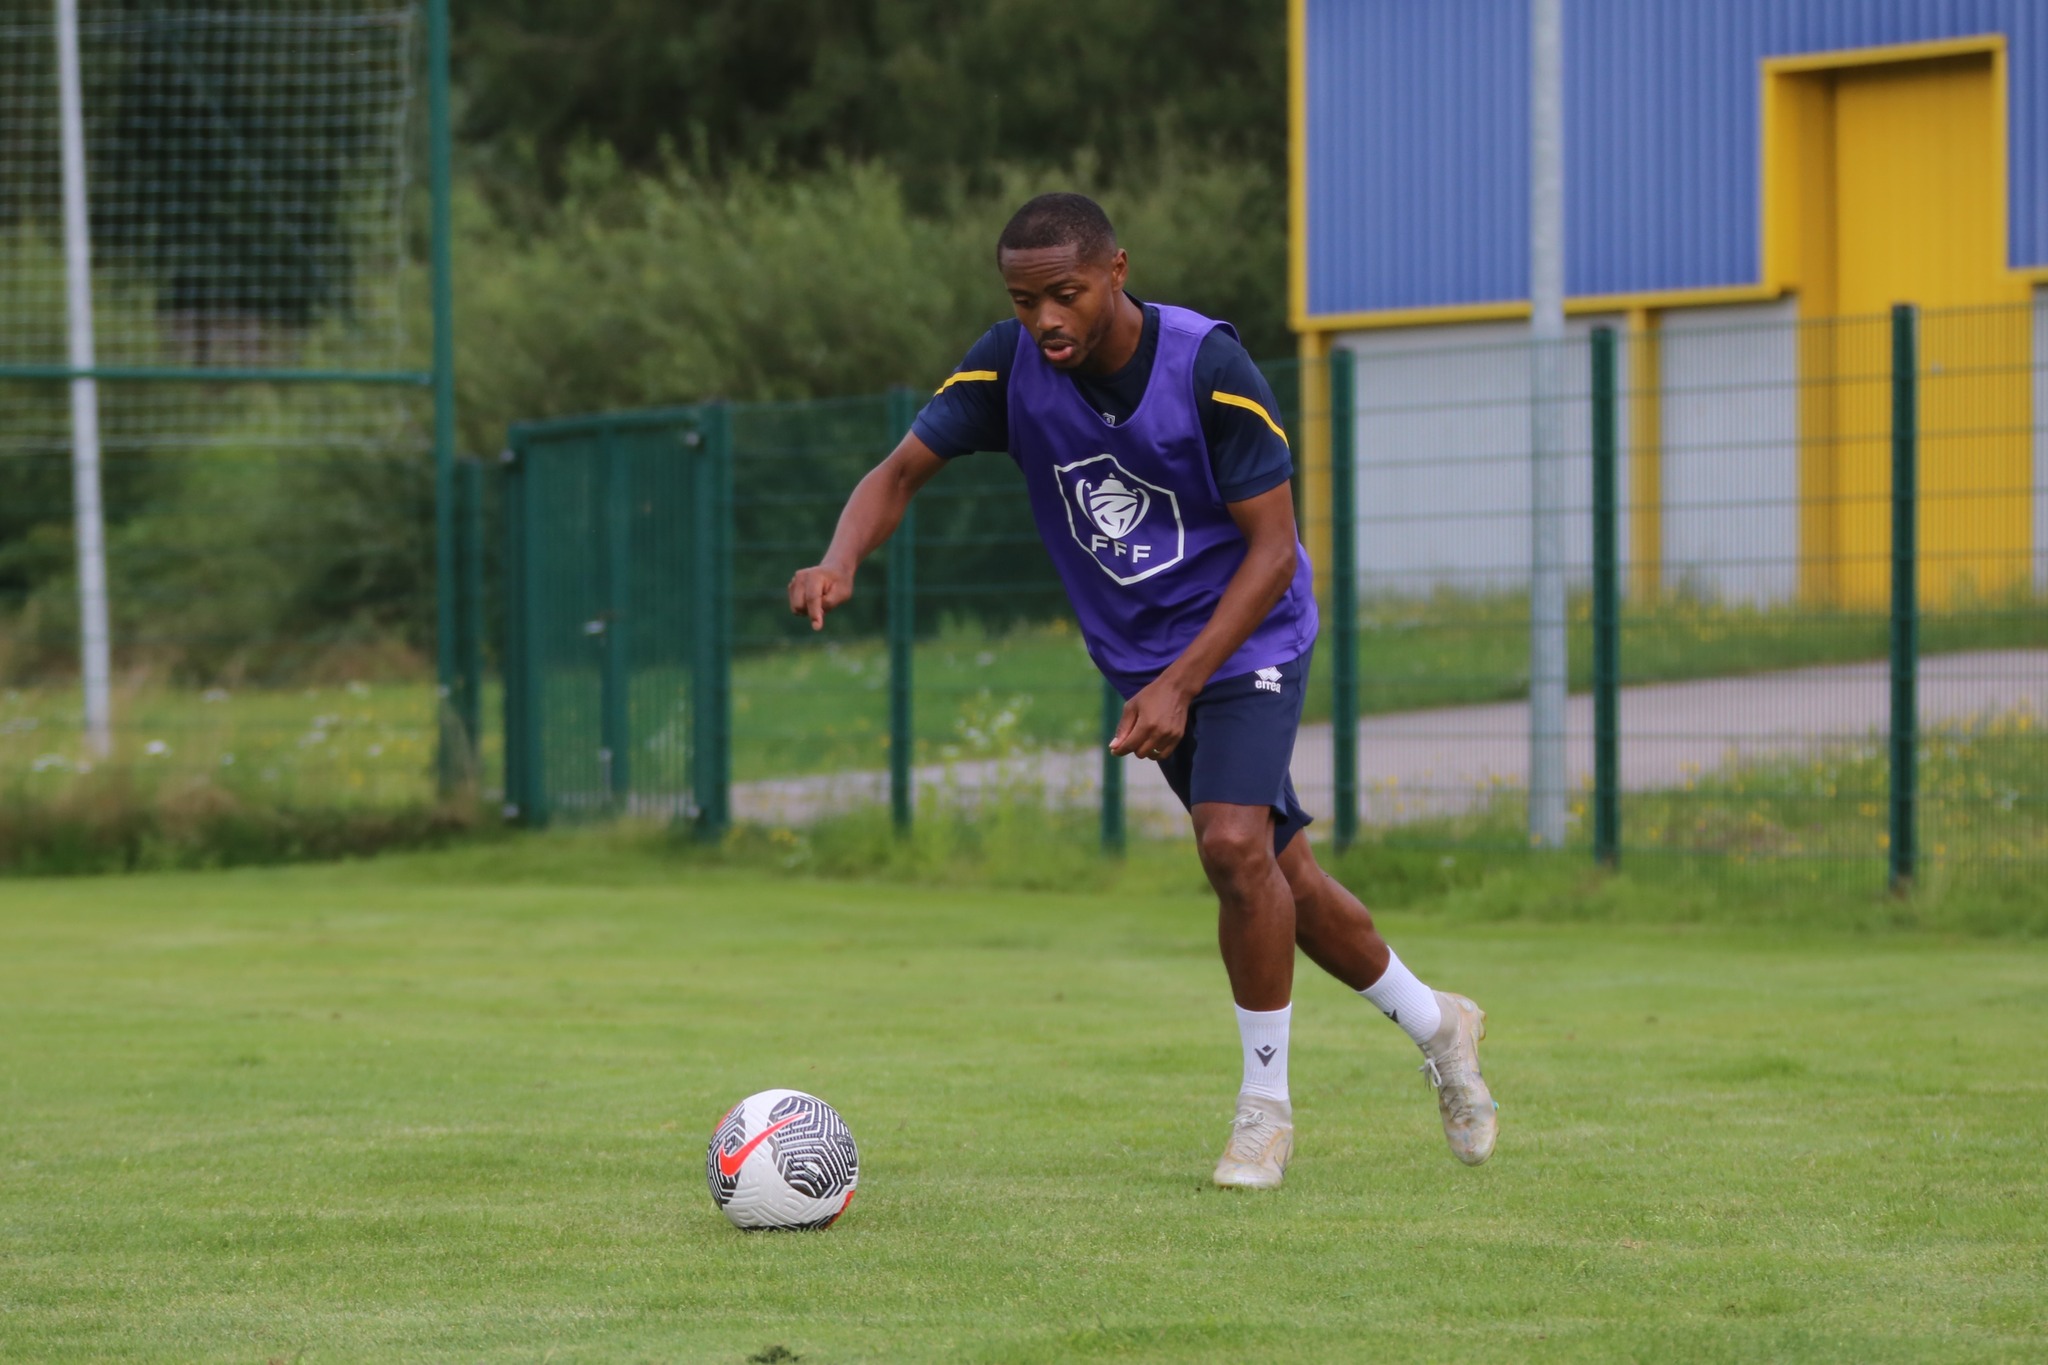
(1130, 527)
(1266, 679)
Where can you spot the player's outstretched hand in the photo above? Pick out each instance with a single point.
(1153, 721)
(816, 590)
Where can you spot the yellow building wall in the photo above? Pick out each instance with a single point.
(1313, 451)
(1886, 184)
(1884, 181)
(1645, 453)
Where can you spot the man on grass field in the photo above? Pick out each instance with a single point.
(1159, 480)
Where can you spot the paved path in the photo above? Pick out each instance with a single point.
(1425, 763)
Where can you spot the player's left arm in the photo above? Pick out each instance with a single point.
(1154, 720)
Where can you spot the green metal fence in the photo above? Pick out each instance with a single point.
(1826, 608)
(1806, 622)
(618, 632)
(231, 516)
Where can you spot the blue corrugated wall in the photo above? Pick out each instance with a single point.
(1418, 138)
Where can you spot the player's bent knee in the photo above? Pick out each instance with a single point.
(1231, 846)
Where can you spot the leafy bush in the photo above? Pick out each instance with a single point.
(252, 564)
(111, 823)
(649, 289)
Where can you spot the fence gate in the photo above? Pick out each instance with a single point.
(618, 617)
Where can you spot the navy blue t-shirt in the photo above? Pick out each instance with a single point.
(1247, 450)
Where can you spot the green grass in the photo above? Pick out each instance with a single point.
(1451, 649)
(1821, 815)
(1979, 787)
(1486, 876)
(228, 776)
(337, 745)
(223, 777)
(822, 706)
(453, 1106)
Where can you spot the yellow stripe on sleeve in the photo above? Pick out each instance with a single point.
(967, 375)
(1249, 406)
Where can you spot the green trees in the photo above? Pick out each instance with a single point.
(671, 287)
(790, 198)
(943, 93)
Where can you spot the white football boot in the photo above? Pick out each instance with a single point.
(1261, 1140)
(1451, 1064)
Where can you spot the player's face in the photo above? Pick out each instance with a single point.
(1068, 304)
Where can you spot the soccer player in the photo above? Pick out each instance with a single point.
(1158, 478)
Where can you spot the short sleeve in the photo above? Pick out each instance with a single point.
(971, 410)
(1248, 450)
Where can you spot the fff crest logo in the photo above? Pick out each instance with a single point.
(1128, 526)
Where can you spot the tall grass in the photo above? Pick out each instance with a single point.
(1021, 843)
(361, 752)
(223, 777)
(113, 822)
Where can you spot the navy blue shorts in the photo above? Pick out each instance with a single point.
(1240, 743)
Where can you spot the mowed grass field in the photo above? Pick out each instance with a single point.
(454, 1106)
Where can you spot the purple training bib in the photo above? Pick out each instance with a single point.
(1132, 518)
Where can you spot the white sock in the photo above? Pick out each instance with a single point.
(1405, 1000)
(1264, 1035)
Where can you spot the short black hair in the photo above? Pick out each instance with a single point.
(1062, 219)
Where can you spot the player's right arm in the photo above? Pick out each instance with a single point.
(969, 412)
(869, 518)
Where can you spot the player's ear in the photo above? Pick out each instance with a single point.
(1119, 268)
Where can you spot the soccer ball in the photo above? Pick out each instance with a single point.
(782, 1159)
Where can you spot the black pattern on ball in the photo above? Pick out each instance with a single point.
(815, 1153)
(725, 1140)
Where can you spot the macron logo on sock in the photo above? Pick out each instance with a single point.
(1265, 1054)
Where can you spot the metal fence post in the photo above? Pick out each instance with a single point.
(1343, 387)
(1905, 622)
(517, 719)
(902, 627)
(1606, 605)
(615, 718)
(88, 516)
(469, 620)
(710, 456)
(524, 722)
(441, 288)
(1112, 773)
(1549, 442)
